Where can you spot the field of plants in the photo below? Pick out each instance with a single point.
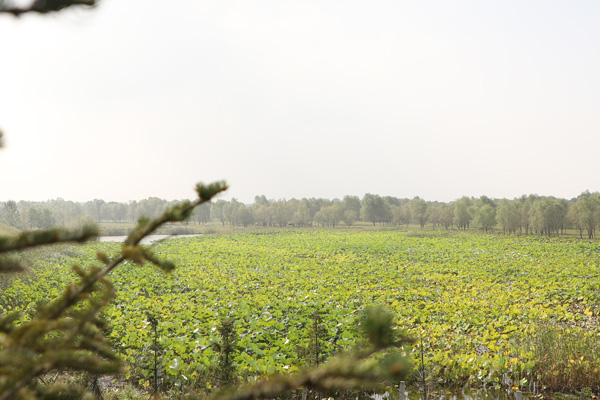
(485, 310)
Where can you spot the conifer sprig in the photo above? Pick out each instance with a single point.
(42, 6)
(48, 236)
(62, 336)
(357, 370)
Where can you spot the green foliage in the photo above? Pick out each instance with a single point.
(317, 335)
(377, 327)
(207, 192)
(226, 348)
(567, 358)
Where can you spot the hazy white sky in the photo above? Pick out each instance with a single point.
(436, 99)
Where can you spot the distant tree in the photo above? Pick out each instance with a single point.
(485, 217)
(120, 212)
(401, 214)
(301, 216)
(11, 213)
(526, 212)
(576, 217)
(447, 216)
(352, 203)
(549, 215)
(435, 213)
(281, 213)
(585, 213)
(350, 217)
(47, 220)
(463, 212)
(132, 210)
(483, 200)
(320, 219)
(262, 215)
(151, 207)
(261, 200)
(418, 210)
(375, 209)
(509, 216)
(369, 208)
(331, 215)
(65, 211)
(93, 208)
(34, 218)
(245, 216)
(202, 213)
(231, 212)
(216, 211)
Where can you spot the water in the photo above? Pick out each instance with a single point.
(147, 240)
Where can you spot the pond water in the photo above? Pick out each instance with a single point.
(464, 394)
(147, 240)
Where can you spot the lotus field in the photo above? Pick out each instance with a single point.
(485, 310)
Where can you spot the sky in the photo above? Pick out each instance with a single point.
(291, 99)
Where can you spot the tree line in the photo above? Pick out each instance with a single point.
(528, 214)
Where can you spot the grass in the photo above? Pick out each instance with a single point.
(567, 358)
(7, 230)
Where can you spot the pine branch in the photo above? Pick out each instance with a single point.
(43, 6)
(60, 337)
(32, 239)
(144, 228)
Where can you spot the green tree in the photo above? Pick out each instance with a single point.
(375, 209)
(216, 211)
(401, 214)
(11, 213)
(350, 217)
(352, 203)
(585, 213)
(301, 216)
(463, 214)
(485, 217)
(245, 216)
(282, 214)
(33, 218)
(419, 211)
(262, 215)
(549, 215)
(261, 200)
(231, 212)
(436, 211)
(509, 216)
(202, 214)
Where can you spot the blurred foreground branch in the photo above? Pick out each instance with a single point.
(42, 6)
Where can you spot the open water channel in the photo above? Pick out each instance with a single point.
(147, 240)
